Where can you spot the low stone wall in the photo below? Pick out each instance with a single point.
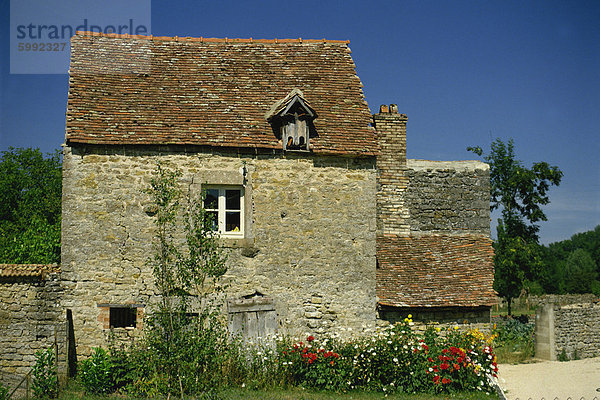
(560, 299)
(29, 316)
(572, 329)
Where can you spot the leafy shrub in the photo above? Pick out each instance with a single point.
(95, 372)
(515, 339)
(45, 379)
(563, 355)
(3, 392)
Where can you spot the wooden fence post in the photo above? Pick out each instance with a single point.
(56, 358)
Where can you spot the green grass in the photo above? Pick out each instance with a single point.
(74, 391)
(299, 394)
(516, 310)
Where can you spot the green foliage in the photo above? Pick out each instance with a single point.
(519, 193)
(515, 340)
(30, 206)
(556, 262)
(3, 392)
(187, 347)
(563, 355)
(516, 261)
(96, 372)
(391, 360)
(579, 273)
(45, 379)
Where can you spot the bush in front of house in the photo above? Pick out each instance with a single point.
(3, 392)
(389, 360)
(96, 372)
(45, 379)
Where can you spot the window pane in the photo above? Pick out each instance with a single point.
(213, 220)
(232, 221)
(233, 199)
(212, 199)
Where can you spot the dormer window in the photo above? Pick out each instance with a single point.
(292, 121)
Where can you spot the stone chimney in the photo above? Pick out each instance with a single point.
(392, 215)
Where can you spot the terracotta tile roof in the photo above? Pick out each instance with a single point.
(27, 270)
(197, 91)
(435, 271)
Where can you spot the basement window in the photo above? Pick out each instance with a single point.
(123, 317)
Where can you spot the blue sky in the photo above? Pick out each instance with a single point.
(465, 72)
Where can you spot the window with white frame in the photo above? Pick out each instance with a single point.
(226, 205)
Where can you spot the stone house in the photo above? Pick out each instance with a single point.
(327, 224)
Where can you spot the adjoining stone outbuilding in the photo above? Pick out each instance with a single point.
(327, 223)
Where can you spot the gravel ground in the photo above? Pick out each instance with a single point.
(551, 380)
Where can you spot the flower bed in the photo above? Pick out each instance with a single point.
(390, 360)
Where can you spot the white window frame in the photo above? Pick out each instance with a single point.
(221, 210)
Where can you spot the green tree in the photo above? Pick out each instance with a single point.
(185, 336)
(30, 206)
(518, 192)
(579, 273)
(555, 257)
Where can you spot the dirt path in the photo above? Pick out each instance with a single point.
(551, 380)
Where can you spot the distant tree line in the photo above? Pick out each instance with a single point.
(570, 266)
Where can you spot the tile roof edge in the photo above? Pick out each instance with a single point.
(207, 40)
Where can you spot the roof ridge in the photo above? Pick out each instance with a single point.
(207, 40)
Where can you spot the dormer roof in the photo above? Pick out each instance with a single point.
(282, 106)
(138, 90)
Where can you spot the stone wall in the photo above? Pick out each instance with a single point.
(29, 314)
(574, 328)
(448, 197)
(560, 299)
(578, 330)
(309, 242)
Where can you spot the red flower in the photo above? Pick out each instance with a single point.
(436, 379)
(331, 362)
(430, 359)
(435, 368)
(456, 367)
(310, 338)
(304, 350)
(443, 351)
(444, 366)
(445, 381)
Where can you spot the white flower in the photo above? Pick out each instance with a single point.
(395, 359)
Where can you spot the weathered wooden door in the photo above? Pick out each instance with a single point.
(252, 317)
